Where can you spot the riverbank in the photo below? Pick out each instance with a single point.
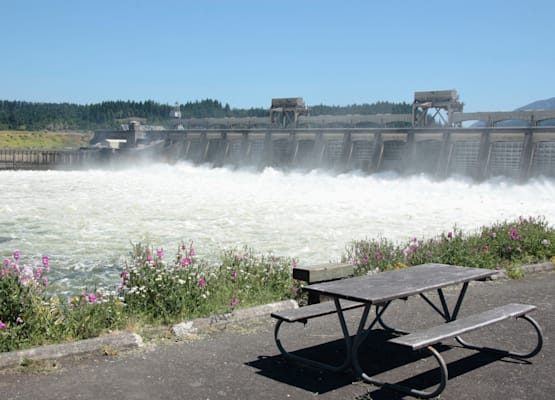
(115, 343)
(43, 140)
(243, 362)
(157, 288)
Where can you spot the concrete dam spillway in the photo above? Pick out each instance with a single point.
(518, 153)
(430, 140)
(481, 153)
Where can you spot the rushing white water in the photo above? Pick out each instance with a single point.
(86, 220)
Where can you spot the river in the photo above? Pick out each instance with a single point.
(85, 221)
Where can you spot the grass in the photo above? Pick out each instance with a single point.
(39, 140)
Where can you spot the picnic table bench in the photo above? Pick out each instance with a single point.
(379, 290)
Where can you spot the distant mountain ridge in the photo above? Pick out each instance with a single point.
(547, 104)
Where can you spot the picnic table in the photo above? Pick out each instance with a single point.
(379, 290)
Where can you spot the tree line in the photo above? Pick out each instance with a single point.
(23, 115)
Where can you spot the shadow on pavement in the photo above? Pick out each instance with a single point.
(376, 357)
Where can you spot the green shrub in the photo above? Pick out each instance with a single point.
(29, 316)
(164, 290)
(246, 278)
(504, 245)
(22, 300)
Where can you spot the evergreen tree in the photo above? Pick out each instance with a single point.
(111, 114)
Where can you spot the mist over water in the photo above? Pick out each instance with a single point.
(86, 220)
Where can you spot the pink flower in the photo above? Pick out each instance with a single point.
(514, 235)
(124, 278)
(233, 274)
(160, 253)
(192, 252)
(91, 297)
(45, 262)
(38, 273)
(293, 264)
(201, 283)
(379, 256)
(234, 302)
(149, 258)
(450, 235)
(3, 325)
(16, 254)
(19, 320)
(7, 262)
(186, 261)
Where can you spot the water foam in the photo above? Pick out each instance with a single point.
(85, 220)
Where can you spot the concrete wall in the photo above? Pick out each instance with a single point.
(47, 159)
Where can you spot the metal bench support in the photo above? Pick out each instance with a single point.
(425, 339)
(507, 353)
(302, 315)
(408, 390)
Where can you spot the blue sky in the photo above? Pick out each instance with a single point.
(498, 55)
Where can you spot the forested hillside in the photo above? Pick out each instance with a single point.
(22, 115)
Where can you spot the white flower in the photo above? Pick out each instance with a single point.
(545, 242)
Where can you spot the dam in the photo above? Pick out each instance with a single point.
(437, 139)
(476, 152)
(432, 140)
